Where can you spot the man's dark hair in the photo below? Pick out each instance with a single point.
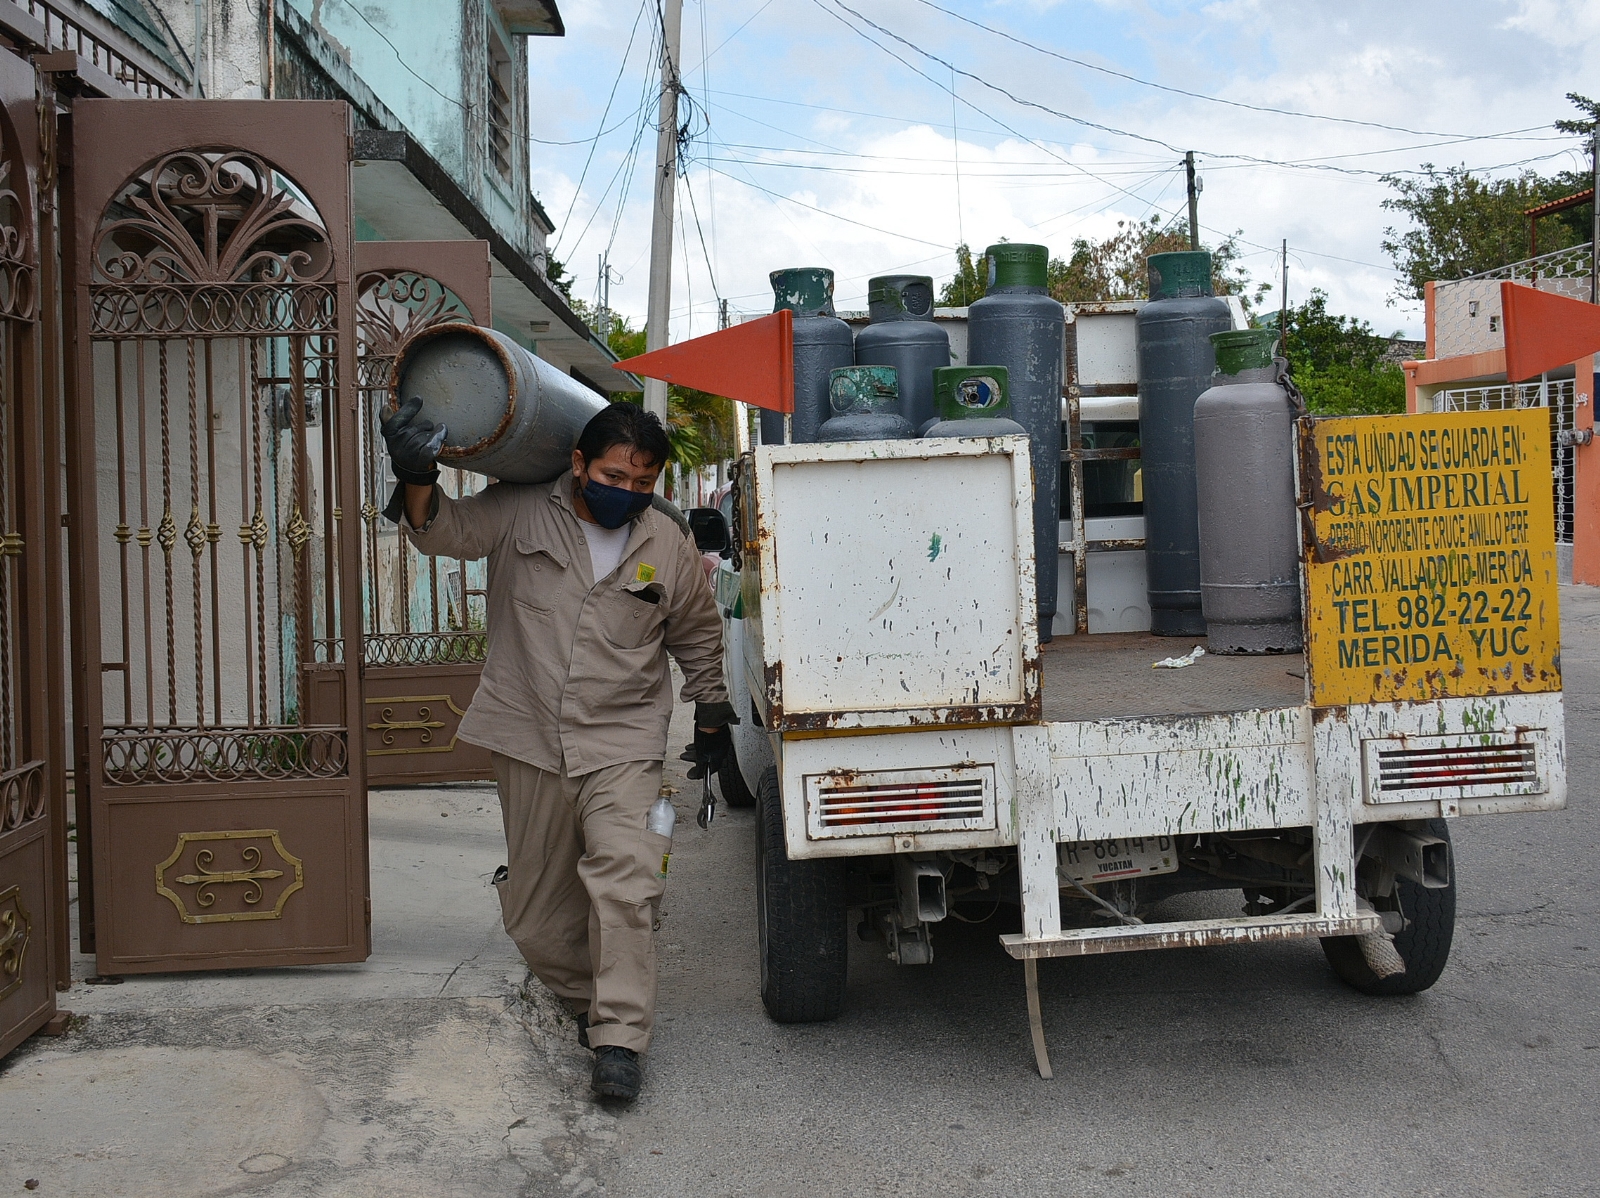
(624, 423)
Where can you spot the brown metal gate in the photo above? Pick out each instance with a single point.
(214, 474)
(424, 640)
(32, 910)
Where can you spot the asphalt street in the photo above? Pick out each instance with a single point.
(435, 1069)
(1221, 1071)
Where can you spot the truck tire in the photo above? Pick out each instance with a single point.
(803, 919)
(1423, 944)
(731, 783)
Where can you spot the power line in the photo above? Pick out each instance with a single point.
(813, 208)
(594, 142)
(1314, 116)
(1027, 103)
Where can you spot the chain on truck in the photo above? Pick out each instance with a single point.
(925, 737)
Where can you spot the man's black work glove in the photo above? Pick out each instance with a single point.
(713, 743)
(413, 452)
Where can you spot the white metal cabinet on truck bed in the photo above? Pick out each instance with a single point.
(911, 748)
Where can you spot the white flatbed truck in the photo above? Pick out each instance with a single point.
(910, 747)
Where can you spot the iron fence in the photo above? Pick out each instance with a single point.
(1560, 397)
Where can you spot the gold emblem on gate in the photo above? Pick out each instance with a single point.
(230, 870)
(424, 725)
(15, 929)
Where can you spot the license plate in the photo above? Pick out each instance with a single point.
(1111, 860)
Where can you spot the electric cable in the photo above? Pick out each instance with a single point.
(594, 142)
(1314, 116)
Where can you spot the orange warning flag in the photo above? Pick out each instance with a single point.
(752, 362)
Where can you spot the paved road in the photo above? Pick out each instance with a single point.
(1233, 1071)
(429, 1071)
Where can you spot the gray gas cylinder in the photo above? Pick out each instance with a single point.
(865, 402)
(903, 335)
(1244, 474)
(973, 401)
(1175, 365)
(1017, 325)
(508, 414)
(822, 344)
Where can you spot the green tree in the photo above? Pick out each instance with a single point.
(1338, 363)
(969, 283)
(1461, 223)
(1111, 269)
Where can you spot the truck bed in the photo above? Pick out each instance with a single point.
(1108, 676)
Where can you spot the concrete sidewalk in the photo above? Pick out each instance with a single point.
(436, 1068)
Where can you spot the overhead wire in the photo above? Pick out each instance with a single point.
(1263, 108)
(594, 142)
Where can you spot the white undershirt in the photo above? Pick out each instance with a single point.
(605, 547)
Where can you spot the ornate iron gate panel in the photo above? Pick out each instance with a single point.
(215, 484)
(32, 887)
(424, 637)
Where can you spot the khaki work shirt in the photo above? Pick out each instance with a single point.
(576, 673)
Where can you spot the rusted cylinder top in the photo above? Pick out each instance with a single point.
(510, 415)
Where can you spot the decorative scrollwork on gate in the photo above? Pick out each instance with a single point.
(394, 306)
(16, 929)
(132, 757)
(211, 218)
(212, 243)
(17, 290)
(425, 648)
(207, 879)
(21, 795)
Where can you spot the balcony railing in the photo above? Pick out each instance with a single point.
(1574, 262)
(68, 33)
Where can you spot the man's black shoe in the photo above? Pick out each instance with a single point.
(583, 1029)
(616, 1073)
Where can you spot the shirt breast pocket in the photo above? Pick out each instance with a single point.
(541, 570)
(633, 618)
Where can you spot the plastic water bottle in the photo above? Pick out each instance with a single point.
(663, 817)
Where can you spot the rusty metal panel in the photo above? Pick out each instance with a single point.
(215, 483)
(1181, 774)
(894, 576)
(423, 617)
(1199, 933)
(1430, 557)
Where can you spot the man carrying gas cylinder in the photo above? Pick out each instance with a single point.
(589, 590)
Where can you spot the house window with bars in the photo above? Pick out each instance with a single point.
(499, 109)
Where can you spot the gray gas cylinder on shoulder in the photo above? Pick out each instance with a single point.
(508, 414)
(822, 344)
(973, 401)
(1175, 365)
(903, 335)
(1244, 473)
(866, 406)
(1017, 325)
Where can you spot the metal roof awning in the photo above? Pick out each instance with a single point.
(403, 193)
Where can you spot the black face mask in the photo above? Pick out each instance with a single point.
(612, 507)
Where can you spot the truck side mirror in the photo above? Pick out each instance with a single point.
(709, 528)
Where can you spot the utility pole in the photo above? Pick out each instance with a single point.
(1594, 233)
(1194, 202)
(655, 328)
(1283, 306)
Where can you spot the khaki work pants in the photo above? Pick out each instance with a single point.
(583, 880)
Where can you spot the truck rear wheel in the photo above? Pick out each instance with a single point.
(803, 918)
(1423, 944)
(731, 783)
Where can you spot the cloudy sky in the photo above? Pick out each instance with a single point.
(812, 145)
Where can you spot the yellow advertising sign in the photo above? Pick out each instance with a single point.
(1432, 570)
